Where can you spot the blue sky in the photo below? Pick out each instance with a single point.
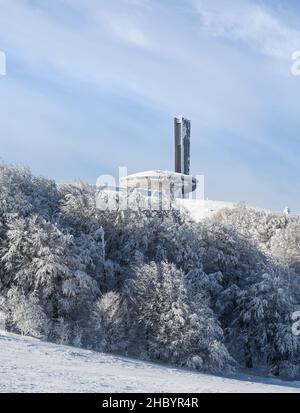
(92, 85)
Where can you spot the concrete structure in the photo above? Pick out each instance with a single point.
(182, 136)
(176, 184)
(165, 182)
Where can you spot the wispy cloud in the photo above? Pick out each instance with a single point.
(101, 80)
(126, 30)
(251, 23)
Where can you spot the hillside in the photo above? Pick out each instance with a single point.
(30, 365)
(149, 283)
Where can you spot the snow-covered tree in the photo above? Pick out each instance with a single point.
(262, 328)
(165, 326)
(25, 315)
(148, 282)
(109, 321)
(285, 245)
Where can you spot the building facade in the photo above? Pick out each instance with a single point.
(182, 132)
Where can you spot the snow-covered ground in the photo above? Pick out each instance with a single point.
(201, 209)
(29, 365)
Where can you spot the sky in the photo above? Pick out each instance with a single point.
(94, 85)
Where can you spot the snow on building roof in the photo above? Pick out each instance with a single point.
(160, 181)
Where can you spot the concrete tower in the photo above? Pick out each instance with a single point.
(182, 132)
(178, 184)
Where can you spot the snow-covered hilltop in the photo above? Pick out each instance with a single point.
(201, 209)
(204, 208)
(212, 295)
(30, 365)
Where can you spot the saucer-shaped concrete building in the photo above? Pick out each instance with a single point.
(179, 183)
(173, 183)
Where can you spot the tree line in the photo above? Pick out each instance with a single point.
(152, 284)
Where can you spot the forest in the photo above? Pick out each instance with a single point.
(214, 296)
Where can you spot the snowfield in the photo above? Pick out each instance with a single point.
(28, 365)
(202, 209)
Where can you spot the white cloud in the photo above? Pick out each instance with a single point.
(250, 23)
(160, 57)
(125, 29)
